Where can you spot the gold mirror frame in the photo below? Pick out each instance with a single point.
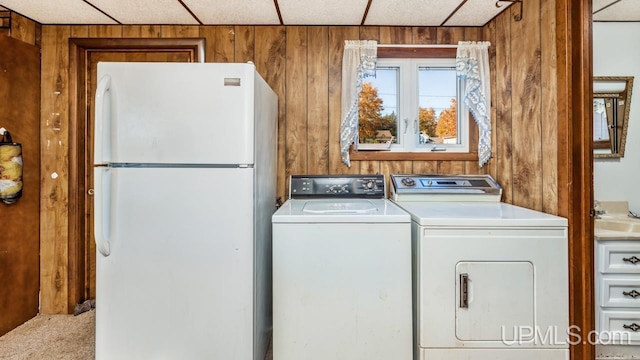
(621, 121)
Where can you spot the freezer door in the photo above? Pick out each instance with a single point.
(178, 279)
(195, 113)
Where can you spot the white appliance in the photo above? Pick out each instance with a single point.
(341, 272)
(185, 182)
(491, 279)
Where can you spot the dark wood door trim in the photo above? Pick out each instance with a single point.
(575, 155)
(79, 51)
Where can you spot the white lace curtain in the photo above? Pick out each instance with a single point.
(358, 62)
(472, 67)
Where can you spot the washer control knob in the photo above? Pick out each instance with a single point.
(408, 182)
(370, 185)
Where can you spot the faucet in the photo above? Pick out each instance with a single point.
(596, 212)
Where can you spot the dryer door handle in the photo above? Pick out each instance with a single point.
(464, 290)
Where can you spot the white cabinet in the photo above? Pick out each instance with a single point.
(617, 277)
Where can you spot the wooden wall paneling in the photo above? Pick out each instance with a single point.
(526, 107)
(425, 167)
(141, 31)
(245, 39)
(368, 33)
(450, 35)
(54, 232)
(105, 31)
(318, 100)
(270, 53)
(80, 272)
(424, 35)
(503, 148)
(20, 222)
(337, 36)
(24, 29)
(79, 31)
(179, 31)
(549, 87)
(396, 35)
(220, 43)
(295, 131)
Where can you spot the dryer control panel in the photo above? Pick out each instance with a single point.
(344, 186)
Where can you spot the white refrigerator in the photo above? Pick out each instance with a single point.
(185, 186)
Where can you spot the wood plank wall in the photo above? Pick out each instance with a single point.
(303, 65)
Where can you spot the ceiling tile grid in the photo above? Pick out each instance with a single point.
(410, 12)
(477, 12)
(145, 11)
(58, 12)
(611, 10)
(292, 12)
(328, 12)
(229, 12)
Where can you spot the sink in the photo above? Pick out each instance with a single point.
(623, 225)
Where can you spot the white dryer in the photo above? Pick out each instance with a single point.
(491, 279)
(341, 272)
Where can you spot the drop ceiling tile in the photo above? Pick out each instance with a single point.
(145, 11)
(599, 4)
(253, 12)
(328, 12)
(58, 11)
(410, 12)
(625, 10)
(477, 12)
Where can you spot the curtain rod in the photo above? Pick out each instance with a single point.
(418, 46)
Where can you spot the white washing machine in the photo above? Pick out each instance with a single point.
(491, 279)
(341, 272)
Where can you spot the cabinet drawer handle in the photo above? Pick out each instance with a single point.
(632, 259)
(634, 294)
(633, 327)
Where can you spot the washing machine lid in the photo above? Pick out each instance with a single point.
(478, 214)
(340, 210)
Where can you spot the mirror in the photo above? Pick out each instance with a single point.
(611, 106)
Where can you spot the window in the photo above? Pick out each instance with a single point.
(412, 106)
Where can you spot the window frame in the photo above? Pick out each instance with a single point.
(409, 52)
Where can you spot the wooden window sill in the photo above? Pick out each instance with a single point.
(412, 156)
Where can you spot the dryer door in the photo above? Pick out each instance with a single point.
(495, 301)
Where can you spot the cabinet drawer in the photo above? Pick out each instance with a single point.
(621, 258)
(619, 327)
(620, 292)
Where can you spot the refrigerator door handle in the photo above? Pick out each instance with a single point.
(102, 209)
(102, 121)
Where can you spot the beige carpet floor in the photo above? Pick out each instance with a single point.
(49, 337)
(55, 337)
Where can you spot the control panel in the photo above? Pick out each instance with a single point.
(412, 187)
(359, 186)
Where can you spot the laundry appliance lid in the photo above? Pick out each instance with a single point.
(478, 214)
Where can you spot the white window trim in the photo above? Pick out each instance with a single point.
(408, 124)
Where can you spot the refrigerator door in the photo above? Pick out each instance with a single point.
(175, 113)
(177, 281)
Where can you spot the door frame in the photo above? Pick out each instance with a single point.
(79, 53)
(575, 162)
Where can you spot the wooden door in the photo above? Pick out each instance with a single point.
(20, 222)
(83, 254)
